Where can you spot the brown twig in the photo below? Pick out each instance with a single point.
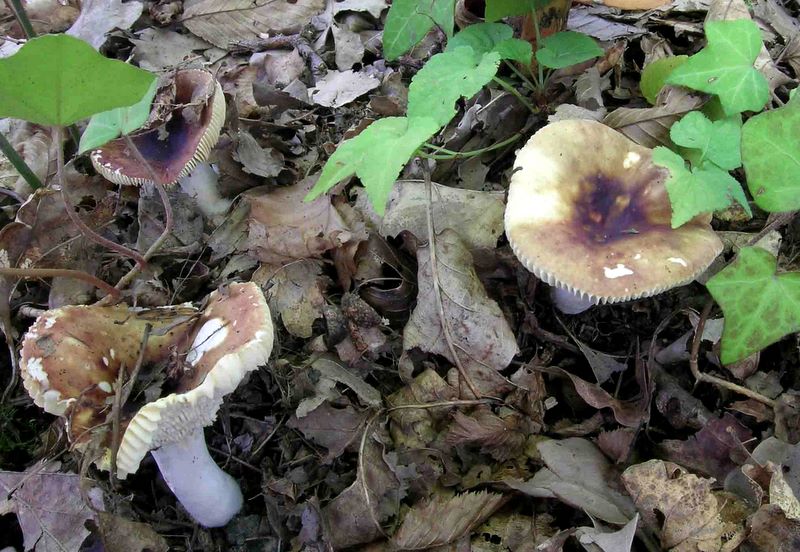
(436, 287)
(700, 376)
(73, 216)
(28, 273)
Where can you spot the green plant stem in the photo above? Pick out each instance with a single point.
(451, 154)
(30, 273)
(534, 86)
(21, 16)
(90, 234)
(19, 163)
(511, 90)
(539, 68)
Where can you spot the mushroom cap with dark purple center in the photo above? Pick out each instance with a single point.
(588, 211)
(174, 148)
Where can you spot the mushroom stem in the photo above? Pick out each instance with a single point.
(569, 302)
(211, 496)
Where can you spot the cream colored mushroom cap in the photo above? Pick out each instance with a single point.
(233, 337)
(588, 211)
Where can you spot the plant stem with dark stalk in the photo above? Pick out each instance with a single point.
(19, 163)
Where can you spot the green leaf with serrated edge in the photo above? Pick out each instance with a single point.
(655, 74)
(771, 157)
(702, 190)
(760, 306)
(567, 48)
(57, 80)
(717, 141)
(725, 67)
(485, 38)
(447, 77)
(376, 156)
(498, 9)
(106, 126)
(409, 21)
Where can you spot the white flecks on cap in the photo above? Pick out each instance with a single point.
(677, 260)
(617, 272)
(631, 159)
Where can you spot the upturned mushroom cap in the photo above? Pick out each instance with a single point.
(174, 148)
(71, 356)
(588, 212)
(233, 337)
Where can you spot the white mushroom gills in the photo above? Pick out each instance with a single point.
(211, 496)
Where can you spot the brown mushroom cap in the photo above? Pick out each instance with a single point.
(71, 356)
(233, 337)
(174, 148)
(588, 211)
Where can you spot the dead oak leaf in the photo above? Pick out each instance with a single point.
(333, 428)
(49, 508)
(480, 334)
(294, 291)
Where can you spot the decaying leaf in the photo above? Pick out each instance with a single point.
(595, 540)
(502, 438)
(577, 473)
(98, 17)
(333, 428)
(685, 503)
(477, 217)
(49, 507)
(122, 535)
(480, 333)
(282, 227)
(339, 88)
(443, 520)
(295, 292)
(772, 531)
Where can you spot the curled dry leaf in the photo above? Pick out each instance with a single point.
(295, 292)
(685, 503)
(282, 227)
(577, 473)
(477, 217)
(338, 88)
(333, 428)
(98, 17)
(480, 334)
(443, 520)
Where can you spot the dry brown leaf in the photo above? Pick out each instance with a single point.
(635, 4)
(98, 17)
(649, 126)
(502, 438)
(690, 512)
(282, 227)
(443, 520)
(294, 291)
(333, 428)
(121, 535)
(477, 217)
(49, 507)
(35, 145)
(338, 88)
(416, 428)
(222, 23)
(772, 531)
(480, 333)
(160, 49)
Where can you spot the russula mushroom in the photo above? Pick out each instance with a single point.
(588, 213)
(69, 371)
(175, 147)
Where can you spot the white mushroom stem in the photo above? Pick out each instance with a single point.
(570, 303)
(211, 496)
(203, 185)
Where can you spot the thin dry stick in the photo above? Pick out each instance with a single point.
(29, 273)
(168, 217)
(700, 376)
(73, 216)
(436, 288)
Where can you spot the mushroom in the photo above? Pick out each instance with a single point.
(588, 213)
(71, 358)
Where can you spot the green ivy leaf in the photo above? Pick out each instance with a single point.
(718, 141)
(702, 190)
(567, 48)
(771, 156)
(447, 77)
(104, 127)
(498, 9)
(655, 74)
(485, 38)
(57, 80)
(725, 67)
(376, 156)
(760, 306)
(409, 21)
